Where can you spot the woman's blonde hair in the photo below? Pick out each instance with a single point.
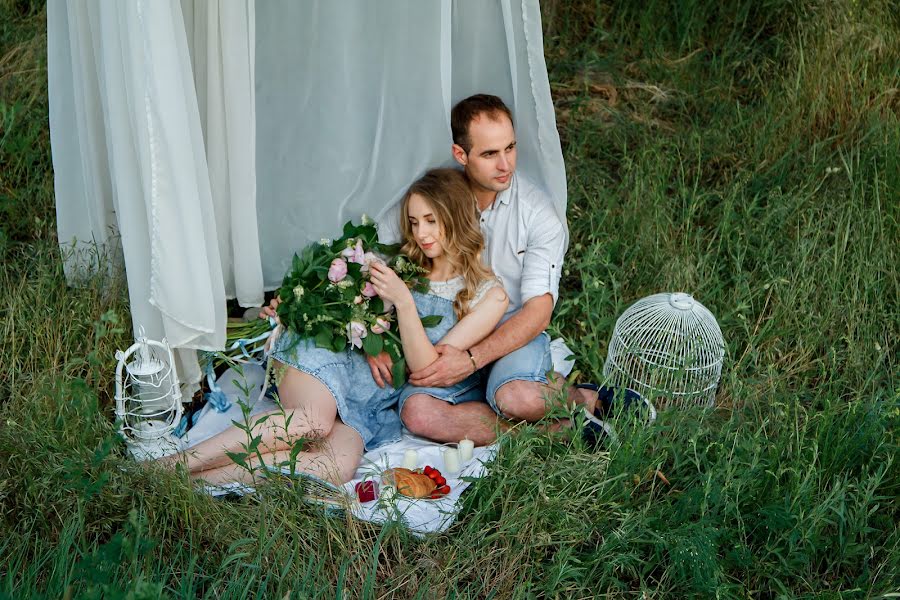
(448, 194)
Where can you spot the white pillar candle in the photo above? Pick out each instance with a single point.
(451, 460)
(410, 459)
(466, 448)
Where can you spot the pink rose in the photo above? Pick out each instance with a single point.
(381, 325)
(370, 258)
(337, 271)
(388, 306)
(368, 290)
(355, 254)
(356, 331)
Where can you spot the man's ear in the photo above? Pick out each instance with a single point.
(459, 154)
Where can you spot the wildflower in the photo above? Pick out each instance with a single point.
(381, 325)
(358, 300)
(325, 242)
(366, 219)
(345, 283)
(298, 292)
(356, 331)
(368, 290)
(337, 271)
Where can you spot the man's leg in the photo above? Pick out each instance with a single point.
(521, 400)
(518, 387)
(452, 413)
(438, 420)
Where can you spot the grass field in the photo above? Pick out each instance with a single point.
(746, 152)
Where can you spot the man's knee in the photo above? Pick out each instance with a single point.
(521, 400)
(421, 412)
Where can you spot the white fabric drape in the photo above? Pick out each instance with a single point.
(217, 137)
(354, 103)
(129, 157)
(221, 41)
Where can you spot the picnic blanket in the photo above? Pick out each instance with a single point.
(244, 386)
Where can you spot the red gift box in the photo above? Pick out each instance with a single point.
(366, 491)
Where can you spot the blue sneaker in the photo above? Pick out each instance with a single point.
(612, 403)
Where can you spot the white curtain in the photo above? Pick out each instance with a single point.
(213, 138)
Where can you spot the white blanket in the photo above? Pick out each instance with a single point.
(420, 516)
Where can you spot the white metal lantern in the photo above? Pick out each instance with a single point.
(667, 346)
(148, 398)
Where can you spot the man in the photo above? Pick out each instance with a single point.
(525, 245)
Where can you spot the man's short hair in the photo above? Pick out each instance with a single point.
(470, 109)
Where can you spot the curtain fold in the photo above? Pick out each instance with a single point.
(208, 140)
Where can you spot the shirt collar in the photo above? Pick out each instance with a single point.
(506, 195)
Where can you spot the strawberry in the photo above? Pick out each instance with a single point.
(440, 481)
(443, 490)
(428, 470)
(434, 474)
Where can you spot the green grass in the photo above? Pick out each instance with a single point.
(746, 152)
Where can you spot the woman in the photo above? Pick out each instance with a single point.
(329, 398)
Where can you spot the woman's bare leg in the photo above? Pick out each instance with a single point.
(309, 410)
(333, 459)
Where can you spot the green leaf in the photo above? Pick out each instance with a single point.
(373, 344)
(376, 305)
(338, 344)
(239, 458)
(324, 339)
(399, 373)
(389, 250)
(431, 320)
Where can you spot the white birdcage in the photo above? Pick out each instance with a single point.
(667, 347)
(148, 398)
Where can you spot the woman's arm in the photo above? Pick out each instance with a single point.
(479, 323)
(418, 350)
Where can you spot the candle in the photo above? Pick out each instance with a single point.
(466, 447)
(410, 459)
(451, 460)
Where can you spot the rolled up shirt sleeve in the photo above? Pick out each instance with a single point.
(542, 266)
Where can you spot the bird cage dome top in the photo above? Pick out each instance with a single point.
(667, 345)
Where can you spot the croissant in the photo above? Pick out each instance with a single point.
(409, 483)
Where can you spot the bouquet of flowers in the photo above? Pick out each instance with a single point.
(327, 296)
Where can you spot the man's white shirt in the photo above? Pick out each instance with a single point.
(525, 242)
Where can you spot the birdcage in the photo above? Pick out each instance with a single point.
(668, 348)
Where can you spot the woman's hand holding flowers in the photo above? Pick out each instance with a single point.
(389, 286)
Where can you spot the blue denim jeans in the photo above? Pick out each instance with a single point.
(531, 362)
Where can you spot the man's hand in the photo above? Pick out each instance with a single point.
(270, 311)
(452, 366)
(381, 366)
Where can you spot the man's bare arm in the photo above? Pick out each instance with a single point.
(521, 328)
(454, 365)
